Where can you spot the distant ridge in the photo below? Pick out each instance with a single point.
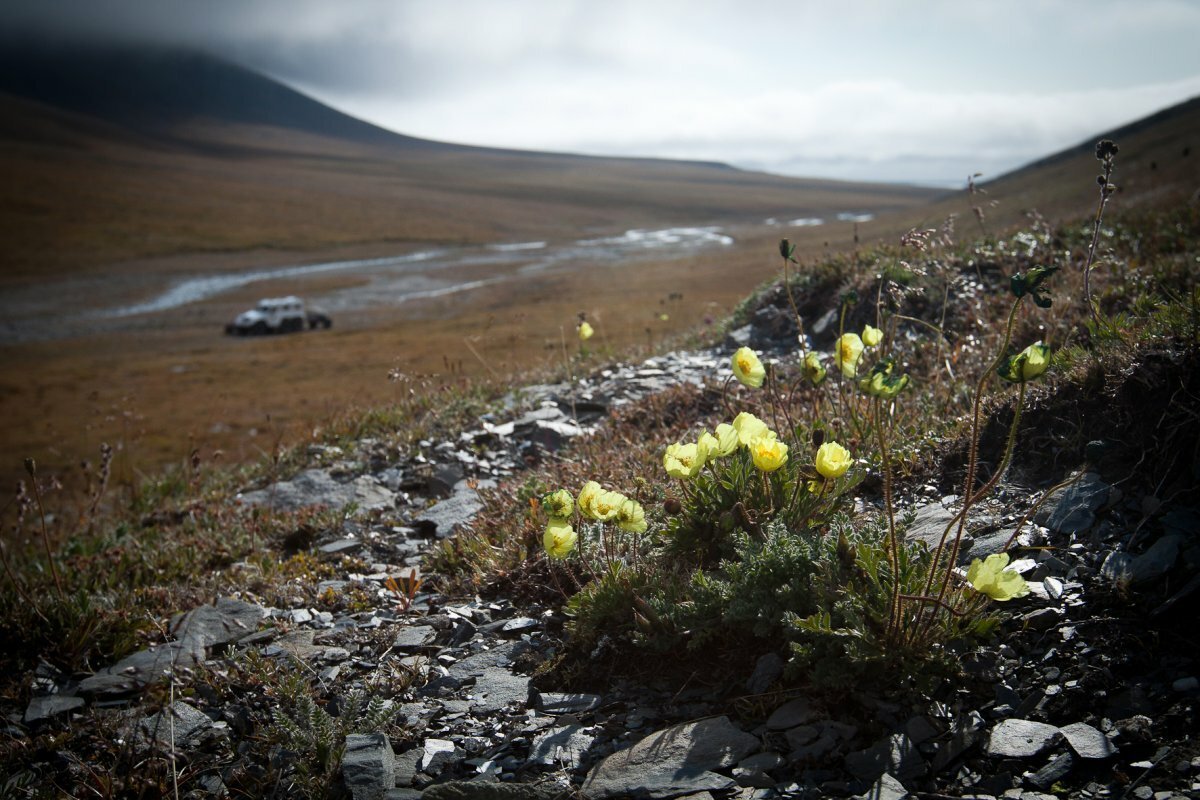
(139, 87)
(1120, 134)
(158, 90)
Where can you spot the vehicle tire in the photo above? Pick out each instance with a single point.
(259, 328)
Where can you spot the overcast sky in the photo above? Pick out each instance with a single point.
(923, 91)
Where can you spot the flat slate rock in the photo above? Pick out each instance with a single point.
(1074, 508)
(1087, 742)
(790, 714)
(480, 790)
(886, 788)
(452, 514)
(496, 688)
(175, 724)
(565, 746)
(1020, 738)
(48, 706)
(414, 637)
(134, 672)
(675, 761)
(226, 621)
(317, 487)
(566, 702)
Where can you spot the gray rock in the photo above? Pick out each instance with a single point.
(518, 625)
(1087, 742)
(885, 788)
(929, 524)
(496, 688)
(767, 670)
(133, 673)
(675, 761)
(341, 547)
(895, 755)
(565, 746)
(566, 703)
(414, 638)
(765, 760)
(966, 732)
(48, 706)
(1158, 559)
(403, 794)
(1073, 509)
(227, 621)
(1058, 768)
(1042, 619)
(1020, 738)
(437, 755)
(479, 790)
(175, 725)
(317, 487)
(790, 714)
(452, 514)
(368, 765)
(406, 766)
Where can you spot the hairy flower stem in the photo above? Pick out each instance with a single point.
(20, 587)
(787, 285)
(885, 467)
(37, 495)
(972, 463)
(1005, 460)
(1105, 191)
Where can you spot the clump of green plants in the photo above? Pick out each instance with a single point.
(754, 539)
(750, 534)
(314, 737)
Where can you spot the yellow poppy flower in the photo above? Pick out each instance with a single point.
(683, 460)
(606, 505)
(587, 495)
(833, 460)
(585, 331)
(558, 504)
(847, 350)
(1027, 364)
(747, 368)
(631, 517)
(814, 370)
(748, 426)
(559, 539)
(991, 577)
(725, 441)
(768, 453)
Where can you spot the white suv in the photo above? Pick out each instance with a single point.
(277, 315)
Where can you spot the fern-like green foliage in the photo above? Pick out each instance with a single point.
(730, 496)
(318, 738)
(847, 641)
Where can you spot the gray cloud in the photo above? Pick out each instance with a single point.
(835, 89)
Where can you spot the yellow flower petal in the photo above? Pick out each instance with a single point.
(768, 453)
(747, 368)
(559, 539)
(833, 460)
(847, 351)
(748, 426)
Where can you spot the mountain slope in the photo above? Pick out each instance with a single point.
(158, 90)
(115, 155)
